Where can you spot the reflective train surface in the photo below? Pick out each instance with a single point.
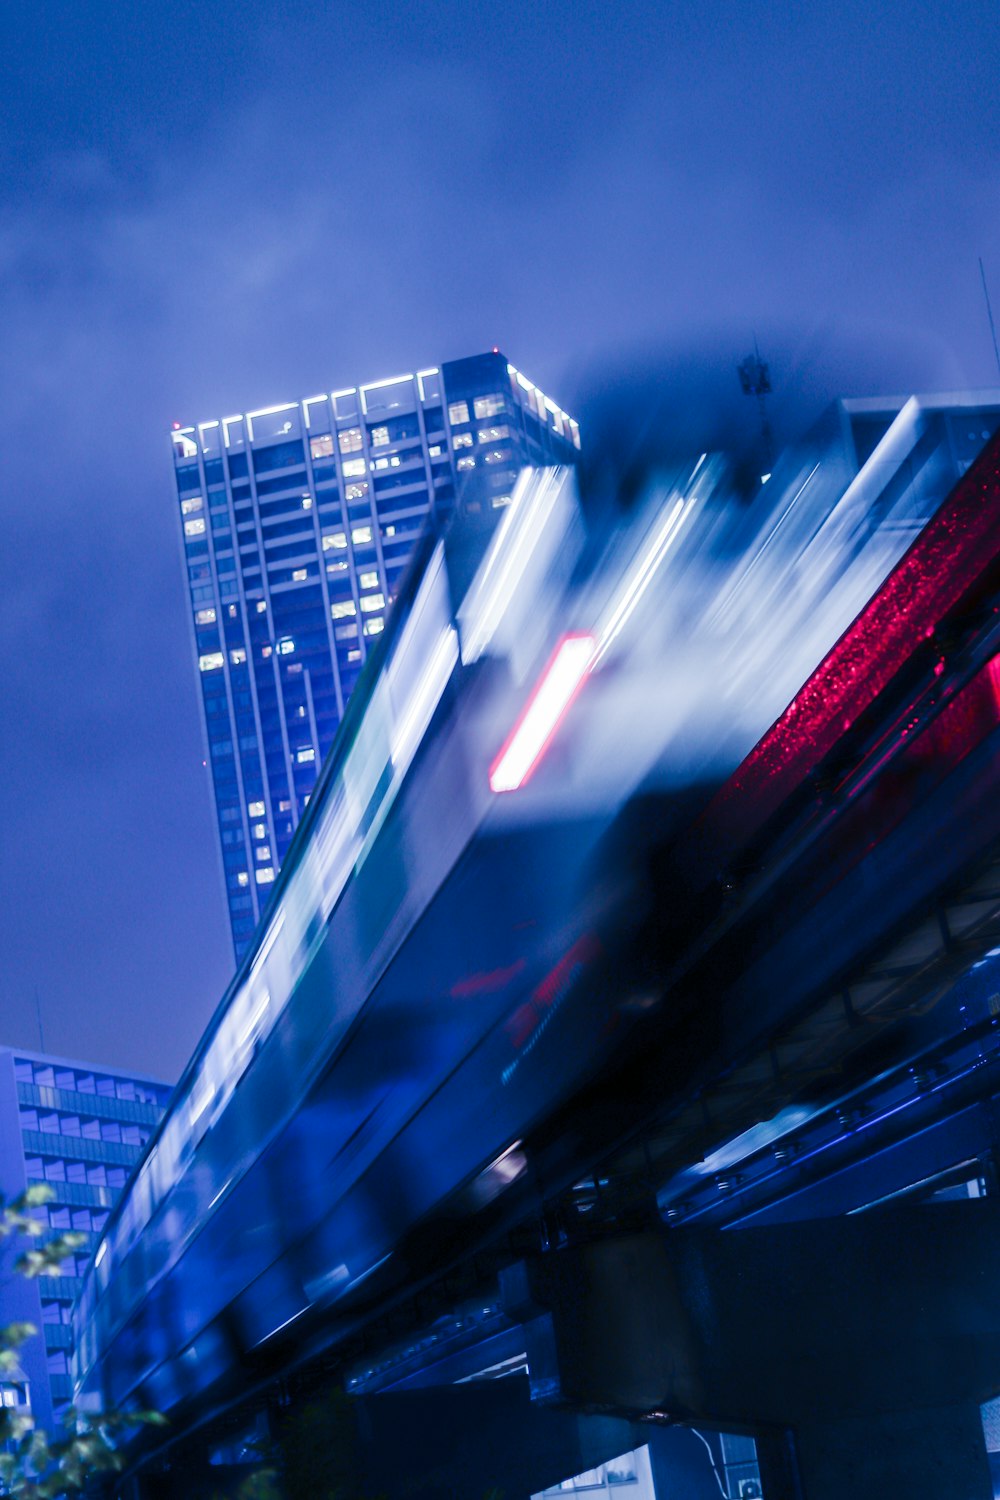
(553, 775)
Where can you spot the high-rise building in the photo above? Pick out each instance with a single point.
(298, 522)
(79, 1129)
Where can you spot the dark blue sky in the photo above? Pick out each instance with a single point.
(210, 207)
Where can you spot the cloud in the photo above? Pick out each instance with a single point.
(596, 202)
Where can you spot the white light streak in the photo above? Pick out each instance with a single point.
(640, 578)
(422, 701)
(532, 502)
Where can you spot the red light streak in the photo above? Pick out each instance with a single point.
(550, 701)
(950, 557)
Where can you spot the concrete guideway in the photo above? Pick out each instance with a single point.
(871, 1340)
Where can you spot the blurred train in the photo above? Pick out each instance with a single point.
(548, 820)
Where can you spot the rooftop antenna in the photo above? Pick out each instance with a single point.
(989, 314)
(755, 378)
(38, 1013)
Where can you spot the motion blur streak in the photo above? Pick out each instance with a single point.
(639, 581)
(535, 526)
(443, 971)
(544, 712)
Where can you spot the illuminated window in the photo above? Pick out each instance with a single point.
(353, 467)
(263, 854)
(354, 655)
(350, 440)
(499, 501)
(188, 507)
(204, 617)
(343, 609)
(458, 411)
(392, 462)
(356, 491)
(232, 611)
(285, 646)
(346, 632)
(284, 805)
(210, 662)
(361, 535)
(307, 500)
(305, 755)
(368, 580)
(242, 878)
(195, 527)
(493, 434)
(466, 463)
(334, 539)
(435, 450)
(336, 567)
(255, 809)
(388, 531)
(238, 656)
(299, 575)
(321, 447)
(374, 627)
(261, 606)
(488, 406)
(264, 875)
(370, 602)
(265, 652)
(498, 456)
(463, 440)
(380, 436)
(259, 830)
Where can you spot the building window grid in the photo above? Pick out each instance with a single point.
(267, 589)
(217, 595)
(247, 579)
(257, 902)
(376, 540)
(318, 528)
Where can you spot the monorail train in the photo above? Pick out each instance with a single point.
(470, 924)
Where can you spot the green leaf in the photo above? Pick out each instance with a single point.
(34, 1195)
(13, 1335)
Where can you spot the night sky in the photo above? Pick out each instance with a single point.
(211, 207)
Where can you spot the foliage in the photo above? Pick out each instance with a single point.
(33, 1465)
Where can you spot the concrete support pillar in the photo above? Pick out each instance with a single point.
(873, 1339)
(895, 1456)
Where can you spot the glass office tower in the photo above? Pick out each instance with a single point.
(298, 522)
(80, 1129)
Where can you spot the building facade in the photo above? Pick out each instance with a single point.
(79, 1129)
(297, 523)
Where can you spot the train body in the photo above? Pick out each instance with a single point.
(472, 921)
